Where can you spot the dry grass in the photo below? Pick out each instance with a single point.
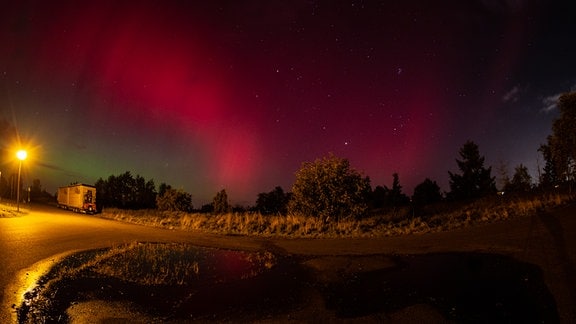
(9, 209)
(159, 264)
(149, 264)
(404, 221)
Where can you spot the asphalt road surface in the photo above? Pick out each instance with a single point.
(546, 240)
(46, 231)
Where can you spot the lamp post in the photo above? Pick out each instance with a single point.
(21, 155)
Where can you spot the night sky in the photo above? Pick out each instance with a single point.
(237, 94)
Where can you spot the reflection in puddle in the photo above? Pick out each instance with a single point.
(469, 287)
(164, 280)
(179, 264)
(179, 282)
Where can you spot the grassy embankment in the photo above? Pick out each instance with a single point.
(405, 220)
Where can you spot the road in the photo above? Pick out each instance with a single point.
(546, 240)
(47, 231)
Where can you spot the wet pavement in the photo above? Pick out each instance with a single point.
(437, 287)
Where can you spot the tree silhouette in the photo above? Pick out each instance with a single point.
(395, 196)
(162, 188)
(207, 208)
(221, 205)
(149, 195)
(548, 177)
(521, 180)
(329, 187)
(35, 189)
(125, 191)
(378, 197)
(175, 200)
(475, 180)
(273, 202)
(426, 193)
(102, 196)
(562, 142)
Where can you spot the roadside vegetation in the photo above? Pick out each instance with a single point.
(404, 220)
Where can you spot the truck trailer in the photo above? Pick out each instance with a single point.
(80, 198)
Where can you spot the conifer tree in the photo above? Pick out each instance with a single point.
(475, 180)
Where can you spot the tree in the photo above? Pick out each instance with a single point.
(125, 191)
(162, 188)
(548, 178)
(149, 195)
(221, 205)
(4, 187)
(395, 196)
(175, 200)
(426, 193)
(476, 180)
(329, 187)
(207, 208)
(102, 196)
(273, 202)
(562, 142)
(36, 189)
(521, 180)
(378, 197)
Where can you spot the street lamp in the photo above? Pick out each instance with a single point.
(21, 155)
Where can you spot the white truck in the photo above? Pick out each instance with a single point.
(80, 198)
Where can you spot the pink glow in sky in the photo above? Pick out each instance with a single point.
(206, 96)
(156, 73)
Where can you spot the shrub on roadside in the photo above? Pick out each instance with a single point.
(330, 187)
(174, 200)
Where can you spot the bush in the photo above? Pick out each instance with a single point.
(329, 187)
(174, 200)
(274, 202)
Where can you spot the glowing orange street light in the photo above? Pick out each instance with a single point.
(21, 155)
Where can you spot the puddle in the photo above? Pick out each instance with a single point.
(466, 287)
(224, 285)
(159, 282)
